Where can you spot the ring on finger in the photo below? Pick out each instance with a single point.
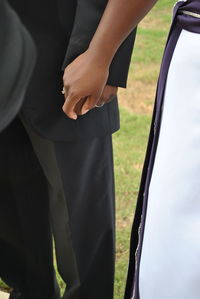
(99, 106)
(63, 90)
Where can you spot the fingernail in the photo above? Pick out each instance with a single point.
(84, 111)
(73, 116)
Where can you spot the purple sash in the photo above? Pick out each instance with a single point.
(180, 21)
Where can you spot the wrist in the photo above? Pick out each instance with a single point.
(100, 55)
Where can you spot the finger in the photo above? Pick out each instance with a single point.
(79, 105)
(69, 106)
(65, 91)
(89, 104)
(101, 102)
(106, 99)
(111, 98)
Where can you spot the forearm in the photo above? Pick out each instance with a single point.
(86, 77)
(120, 17)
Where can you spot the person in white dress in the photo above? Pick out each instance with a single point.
(167, 260)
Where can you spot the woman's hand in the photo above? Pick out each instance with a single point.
(84, 84)
(85, 78)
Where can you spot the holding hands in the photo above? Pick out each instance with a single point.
(85, 85)
(86, 77)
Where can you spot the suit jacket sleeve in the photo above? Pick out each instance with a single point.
(88, 16)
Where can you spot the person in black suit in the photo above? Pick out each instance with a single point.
(19, 254)
(76, 156)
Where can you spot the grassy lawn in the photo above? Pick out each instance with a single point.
(129, 147)
(150, 42)
(130, 142)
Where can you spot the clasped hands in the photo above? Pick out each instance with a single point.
(85, 85)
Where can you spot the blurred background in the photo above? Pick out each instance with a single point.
(130, 142)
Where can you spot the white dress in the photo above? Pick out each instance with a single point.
(170, 260)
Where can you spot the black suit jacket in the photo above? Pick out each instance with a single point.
(62, 30)
(17, 55)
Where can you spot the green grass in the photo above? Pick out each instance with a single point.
(129, 146)
(150, 42)
(130, 141)
(152, 33)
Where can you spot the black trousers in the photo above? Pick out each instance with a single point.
(80, 203)
(25, 235)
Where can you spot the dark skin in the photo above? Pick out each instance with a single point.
(86, 77)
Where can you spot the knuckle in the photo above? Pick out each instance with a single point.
(66, 85)
(73, 94)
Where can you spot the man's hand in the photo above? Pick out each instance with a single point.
(109, 93)
(84, 85)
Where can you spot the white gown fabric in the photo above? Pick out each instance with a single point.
(170, 260)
